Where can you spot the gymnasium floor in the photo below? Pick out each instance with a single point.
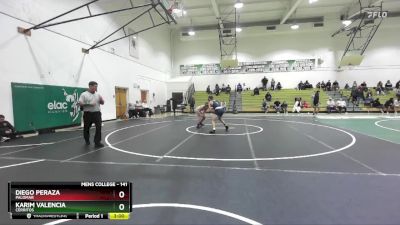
(265, 170)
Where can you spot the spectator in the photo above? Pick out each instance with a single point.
(264, 82)
(228, 89)
(397, 86)
(354, 84)
(239, 88)
(268, 97)
(379, 88)
(398, 93)
(139, 109)
(330, 105)
(174, 105)
(353, 96)
(341, 105)
(360, 94)
(7, 131)
(318, 86)
(389, 104)
(307, 85)
(329, 86)
(364, 86)
(132, 111)
(208, 90)
(147, 110)
(323, 86)
(316, 102)
(368, 99)
(284, 106)
(335, 85)
(377, 104)
(217, 90)
(279, 86)
(396, 105)
(272, 84)
(388, 86)
(223, 88)
(256, 91)
(192, 102)
(347, 87)
(265, 106)
(277, 106)
(297, 105)
(300, 86)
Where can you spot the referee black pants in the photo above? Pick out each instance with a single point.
(88, 119)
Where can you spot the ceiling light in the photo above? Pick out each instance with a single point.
(134, 37)
(191, 33)
(238, 4)
(294, 27)
(238, 29)
(184, 12)
(346, 22)
(312, 1)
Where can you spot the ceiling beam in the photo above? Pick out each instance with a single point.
(291, 11)
(217, 14)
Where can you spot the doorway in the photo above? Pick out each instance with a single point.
(120, 102)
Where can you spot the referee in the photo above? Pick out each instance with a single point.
(90, 100)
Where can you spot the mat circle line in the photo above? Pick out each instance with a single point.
(246, 159)
(387, 128)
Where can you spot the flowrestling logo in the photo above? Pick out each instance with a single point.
(69, 104)
(377, 14)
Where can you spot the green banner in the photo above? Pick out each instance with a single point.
(44, 106)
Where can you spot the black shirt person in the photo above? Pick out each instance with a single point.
(7, 130)
(91, 101)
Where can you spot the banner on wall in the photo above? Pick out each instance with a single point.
(38, 107)
(250, 67)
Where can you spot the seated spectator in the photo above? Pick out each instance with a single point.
(360, 94)
(347, 87)
(335, 85)
(341, 105)
(265, 106)
(377, 104)
(208, 90)
(368, 99)
(277, 106)
(364, 86)
(148, 111)
(239, 88)
(7, 131)
(388, 86)
(318, 85)
(300, 86)
(307, 85)
(396, 105)
(256, 91)
(268, 97)
(284, 106)
(297, 105)
(354, 84)
(139, 109)
(228, 89)
(264, 82)
(131, 111)
(328, 86)
(330, 105)
(379, 88)
(397, 86)
(323, 86)
(279, 86)
(389, 104)
(223, 88)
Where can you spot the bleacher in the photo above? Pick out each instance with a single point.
(252, 103)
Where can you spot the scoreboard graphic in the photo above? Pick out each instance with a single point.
(70, 200)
